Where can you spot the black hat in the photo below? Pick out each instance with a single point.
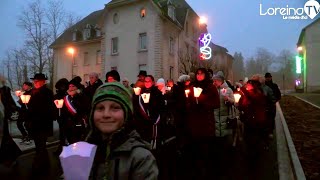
(76, 83)
(39, 76)
(267, 75)
(142, 73)
(113, 73)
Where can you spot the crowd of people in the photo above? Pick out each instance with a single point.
(149, 129)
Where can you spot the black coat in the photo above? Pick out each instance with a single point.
(41, 111)
(146, 117)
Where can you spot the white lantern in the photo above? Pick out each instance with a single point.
(197, 91)
(137, 91)
(58, 103)
(25, 98)
(18, 93)
(145, 97)
(236, 98)
(187, 91)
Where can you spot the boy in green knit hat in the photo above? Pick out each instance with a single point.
(121, 153)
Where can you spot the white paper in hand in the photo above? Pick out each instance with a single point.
(76, 160)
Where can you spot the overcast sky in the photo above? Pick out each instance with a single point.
(234, 24)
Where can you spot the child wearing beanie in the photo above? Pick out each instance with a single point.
(121, 153)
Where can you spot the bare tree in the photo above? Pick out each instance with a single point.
(264, 59)
(71, 20)
(238, 66)
(188, 63)
(33, 22)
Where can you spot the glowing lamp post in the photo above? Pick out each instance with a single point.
(25, 99)
(71, 51)
(137, 91)
(59, 104)
(196, 92)
(300, 48)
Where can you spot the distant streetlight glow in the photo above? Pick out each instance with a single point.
(300, 48)
(71, 50)
(203, 20)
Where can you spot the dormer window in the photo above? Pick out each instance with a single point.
(143, 13)
(171, 10)
(74, 35)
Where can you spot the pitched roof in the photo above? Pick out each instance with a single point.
(66, 36)
(304, 29)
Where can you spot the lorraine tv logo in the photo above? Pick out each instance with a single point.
(311, 9)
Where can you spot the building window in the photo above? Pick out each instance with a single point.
(142, 67)
(98, 57)
(114, 45)
(114, 68)
(85, 58)
(115, 18)
(143, 41)
(171, 72)
(171, 45)
(143, 13)
(74, 36)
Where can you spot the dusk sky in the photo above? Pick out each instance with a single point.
(234, 24)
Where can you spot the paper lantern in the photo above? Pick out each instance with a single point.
(137, 91)
(145, 97)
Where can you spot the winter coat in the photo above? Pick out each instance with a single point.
(91, 89)
(275, 89)
(146, 115)
(41, 111)
(224, 111)
(129, 160)
(252, 107)
(200, 116)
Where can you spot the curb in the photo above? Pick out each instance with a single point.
(307, 102)
(32, 149)
(288, 160)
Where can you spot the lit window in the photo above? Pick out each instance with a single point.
(142, 12)
(115, 18)
(98, 57)
(143, 41)
(86, 58)
(114, 45)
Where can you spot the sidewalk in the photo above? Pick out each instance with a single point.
(16, 135)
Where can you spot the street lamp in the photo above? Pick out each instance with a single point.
(299, 48)
(204, 40)
(71, 51)
(202, 20)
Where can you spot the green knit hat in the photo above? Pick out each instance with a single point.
(113, 91)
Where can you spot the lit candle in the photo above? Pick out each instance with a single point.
(59, 104)
(145, 97)
(187, 91)
(25, 99)
(236, 98)
(18, 93)
(197, 92)
(137, 91)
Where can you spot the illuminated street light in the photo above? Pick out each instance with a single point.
(203, 20)
(299, 48)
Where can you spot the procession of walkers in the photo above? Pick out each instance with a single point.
(149, 129)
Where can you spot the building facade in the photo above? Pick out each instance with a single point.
(135, 35)
(309, 43)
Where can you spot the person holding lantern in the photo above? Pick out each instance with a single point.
(201, 102)
(223, 131)
(41, 115)
(74, 113)
(23, 122)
